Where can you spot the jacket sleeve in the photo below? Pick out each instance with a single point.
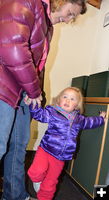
(16, 29)
(40, 114)
(92, 122)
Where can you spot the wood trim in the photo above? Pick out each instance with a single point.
(95, 3)
(80, 186)
(102, 147)
(71, 167)
(104, 100)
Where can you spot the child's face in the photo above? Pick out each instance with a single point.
(69, 100)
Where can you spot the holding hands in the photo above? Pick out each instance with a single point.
(35, 101)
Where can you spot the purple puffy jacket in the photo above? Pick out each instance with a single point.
(60, 138)
(25, 34)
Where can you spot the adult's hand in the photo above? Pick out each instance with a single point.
(34, 101)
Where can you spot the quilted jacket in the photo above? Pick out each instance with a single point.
(25, 34)
(60, 138)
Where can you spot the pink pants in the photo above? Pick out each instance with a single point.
(46, 169)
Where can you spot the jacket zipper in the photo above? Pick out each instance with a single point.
(66, 139)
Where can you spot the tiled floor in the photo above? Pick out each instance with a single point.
(66, 189)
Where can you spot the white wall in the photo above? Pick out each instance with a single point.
(78, 49)
(100, 56)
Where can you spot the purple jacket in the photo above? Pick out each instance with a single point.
(60, 138)
(25, 34)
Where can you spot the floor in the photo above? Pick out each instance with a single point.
(66, 189)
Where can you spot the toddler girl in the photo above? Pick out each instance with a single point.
(65, 121)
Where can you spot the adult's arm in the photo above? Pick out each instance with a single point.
(15, 30)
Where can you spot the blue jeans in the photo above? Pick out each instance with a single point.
(14, 129)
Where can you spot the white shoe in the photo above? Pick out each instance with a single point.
(27, 198)
(30, 198)
(36, 186)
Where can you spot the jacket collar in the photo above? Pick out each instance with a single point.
(47, 2)
(69, 116)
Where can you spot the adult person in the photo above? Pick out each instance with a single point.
(26, 28)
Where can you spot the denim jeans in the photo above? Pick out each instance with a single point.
(14, 129)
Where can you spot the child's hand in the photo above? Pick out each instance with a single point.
(103, 114)
(35, 101)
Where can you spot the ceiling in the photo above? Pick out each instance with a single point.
(95, 3)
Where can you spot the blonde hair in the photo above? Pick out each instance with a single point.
(79, 93)
(56, 4)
